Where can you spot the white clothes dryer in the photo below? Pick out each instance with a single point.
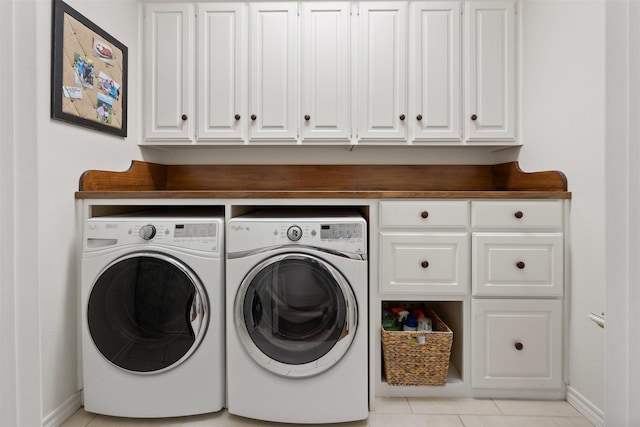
(152, 304)
(297, 289)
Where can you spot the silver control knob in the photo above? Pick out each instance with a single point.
(294, 233)
(147, 232)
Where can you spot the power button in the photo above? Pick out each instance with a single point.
(294, 233)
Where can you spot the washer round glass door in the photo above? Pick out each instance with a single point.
(147, 312)
(296, 314)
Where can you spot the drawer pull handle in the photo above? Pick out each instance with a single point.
(424, 214)
(518, 214)
(519, 346)
(520, 265)
(425, 264)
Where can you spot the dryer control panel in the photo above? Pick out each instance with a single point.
(347, 235)
(201, 234)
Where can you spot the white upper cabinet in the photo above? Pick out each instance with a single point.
(325, 111)
(434, 70)
(383, 79)
(169, 71)
(389, 72)
(490, 47)
(221, 112)
(273, 65)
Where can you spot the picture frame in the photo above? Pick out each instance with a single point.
(89, 73)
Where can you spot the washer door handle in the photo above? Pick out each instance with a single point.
(195, 313)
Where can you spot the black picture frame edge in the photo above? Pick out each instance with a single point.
(59, 10)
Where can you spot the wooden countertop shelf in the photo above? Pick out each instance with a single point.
(151, 180)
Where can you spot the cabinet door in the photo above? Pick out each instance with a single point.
(325, 71)
(434, 263)
(518, 264)
(434, 71)
(273, 65)
(490, 104)
(383, 105)
(516, 344)
(169, 71)
(221, 71)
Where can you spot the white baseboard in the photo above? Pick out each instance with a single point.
(64, 411)
(585, 407)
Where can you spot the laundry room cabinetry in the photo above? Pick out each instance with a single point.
(411, 81)
(313, 105)
(490, 50)
(435, 67)
(375, 72)
(424, 254)
(266, 72)
(168, 71)
(493, 270)
(425, 245)
(383, 71)
(176, 109)
(517, 288)
(273, 63)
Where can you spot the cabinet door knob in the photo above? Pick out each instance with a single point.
(253, 117)
(419, 117)
(519, 346)
(424, 214)
(237, 116)
(307, 117)
(184, 117)
(425, 264)
(520, 265)
(402, 117)
(474, 117)
(518, 214)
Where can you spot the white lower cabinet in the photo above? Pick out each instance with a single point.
(516, 344)
(494, 271)
(517, 264)
(425, 262)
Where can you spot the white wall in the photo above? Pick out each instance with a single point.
(64, 152)
(8, 380)
(622, 373)
(563, 114)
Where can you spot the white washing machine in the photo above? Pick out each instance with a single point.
(297, 288)
(152, 303)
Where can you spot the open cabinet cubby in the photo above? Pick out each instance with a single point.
(452, 314)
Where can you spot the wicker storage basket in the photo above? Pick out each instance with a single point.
(409, 363)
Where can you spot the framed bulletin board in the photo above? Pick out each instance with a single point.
(89, 73)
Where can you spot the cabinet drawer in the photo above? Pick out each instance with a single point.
(517, 264)
(516, 214)
(424, 262)
(516, 344)
(424, 214)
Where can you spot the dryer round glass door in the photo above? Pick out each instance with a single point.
(147, 312)
(296, 314)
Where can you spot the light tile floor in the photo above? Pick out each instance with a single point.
(389, 412)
